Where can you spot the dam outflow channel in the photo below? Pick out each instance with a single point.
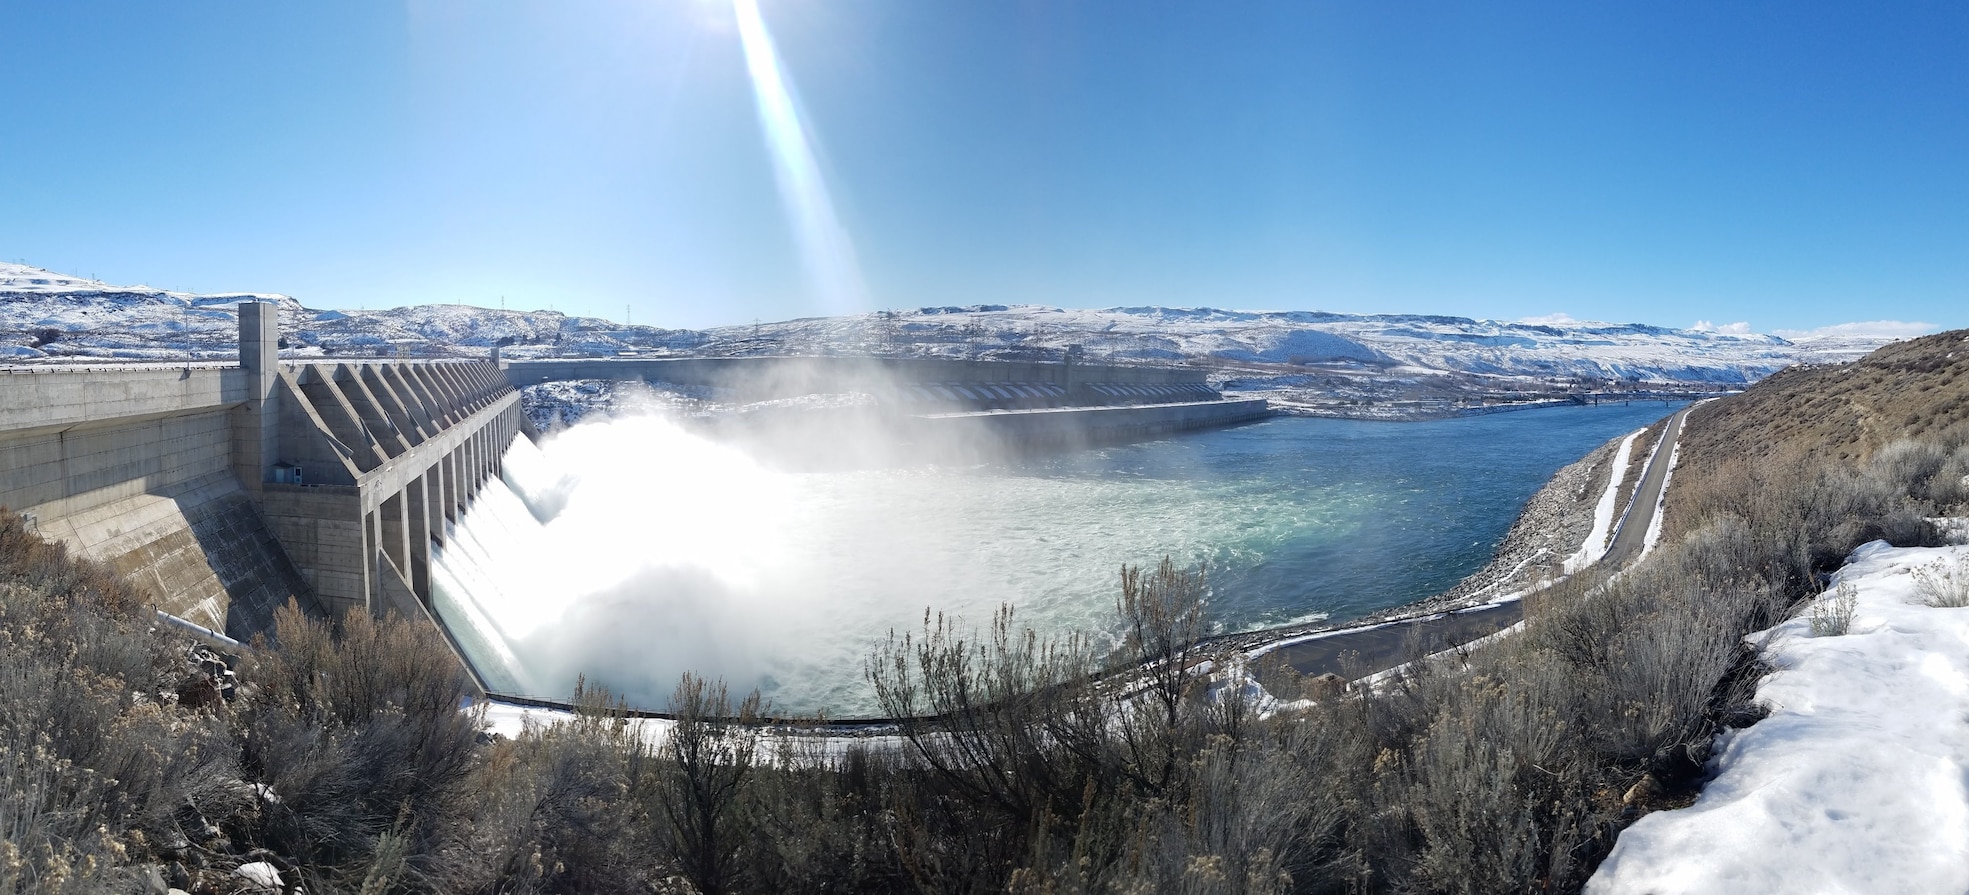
(629, 550)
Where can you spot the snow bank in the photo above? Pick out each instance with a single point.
(1859, 779)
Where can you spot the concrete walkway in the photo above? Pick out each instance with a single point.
(1357, 652)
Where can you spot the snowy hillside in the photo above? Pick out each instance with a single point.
(44, 314)
(1621, 352)
(1305, 361)
(439, 330)
(50, 315)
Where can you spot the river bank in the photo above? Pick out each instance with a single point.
(1552, 529)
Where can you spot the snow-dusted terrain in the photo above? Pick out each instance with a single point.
(1858, 781)
(1304, 361)
(51, 315)
(1297, 338)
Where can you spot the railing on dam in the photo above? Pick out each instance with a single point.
(115, 367)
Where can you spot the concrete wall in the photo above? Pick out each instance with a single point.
(761, 378)
(135, 469)
(1068, 427)
(38, 398)
(61, 471)
(388, 453)
(169, 473)
(320, 527)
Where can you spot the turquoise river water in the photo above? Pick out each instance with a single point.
(630, 550)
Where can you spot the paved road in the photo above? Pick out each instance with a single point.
(1633, 532)
(1367, 650)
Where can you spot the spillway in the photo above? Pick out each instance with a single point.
(630, 550)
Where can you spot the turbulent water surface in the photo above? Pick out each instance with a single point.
(630, 550)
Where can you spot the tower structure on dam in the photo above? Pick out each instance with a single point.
(229, 489)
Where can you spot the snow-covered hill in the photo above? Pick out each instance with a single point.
(46, 314)
(1309, 360)
(1621, 352)
(50, 315)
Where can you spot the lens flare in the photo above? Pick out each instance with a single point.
(824, 246)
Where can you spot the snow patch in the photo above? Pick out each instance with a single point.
(1858, 781)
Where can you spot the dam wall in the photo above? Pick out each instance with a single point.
(926, 408)
(378, 457)
(1069, 427)
(134, 468)
(911, 383)
(229, 489)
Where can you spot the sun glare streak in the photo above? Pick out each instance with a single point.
(824, 246)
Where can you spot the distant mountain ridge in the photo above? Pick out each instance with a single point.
(1320, 355)
(1621, 352)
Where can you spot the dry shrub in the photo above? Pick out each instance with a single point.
(1944, 584)
(94, 761)
(555, 810)
(1831, 613)
(1949, 488)
(705, 761)
(359, 733)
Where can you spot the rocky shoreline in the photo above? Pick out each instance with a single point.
(1553, 525)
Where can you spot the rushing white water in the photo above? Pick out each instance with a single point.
(633, 551)
(630, 550)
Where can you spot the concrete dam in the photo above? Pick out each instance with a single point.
(227, 490)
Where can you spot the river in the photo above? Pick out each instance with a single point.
(630, 550)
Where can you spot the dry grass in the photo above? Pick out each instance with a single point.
(1842, 415)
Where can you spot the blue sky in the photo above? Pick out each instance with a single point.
(1790, 165)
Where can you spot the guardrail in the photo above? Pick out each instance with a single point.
(99, 366)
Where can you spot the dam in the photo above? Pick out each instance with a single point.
(227, 490)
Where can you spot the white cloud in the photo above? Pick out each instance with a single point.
(1559, 319)
(1871, 329)
(1739, 328)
